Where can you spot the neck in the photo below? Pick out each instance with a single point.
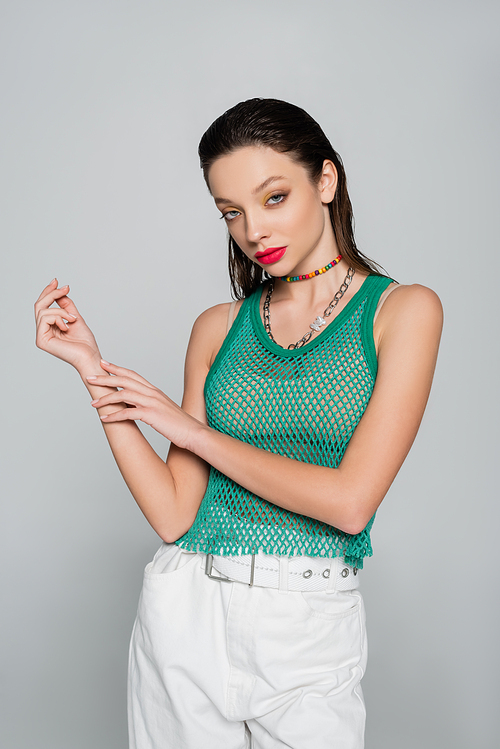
(312, 291)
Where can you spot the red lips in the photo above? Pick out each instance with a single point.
(271, 255)
(269, 250)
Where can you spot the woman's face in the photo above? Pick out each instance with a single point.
(273, 211)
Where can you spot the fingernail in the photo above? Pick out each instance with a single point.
(104, 417)
(75, 317)
(92, 377)
(103, 361)
(92, 403)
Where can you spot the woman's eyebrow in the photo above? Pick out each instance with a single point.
(260, 187)
(266, 183)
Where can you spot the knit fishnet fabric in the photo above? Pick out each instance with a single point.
(303, 404)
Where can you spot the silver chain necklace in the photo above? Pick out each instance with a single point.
(318, 323)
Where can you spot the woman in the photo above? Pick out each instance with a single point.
(300, 404)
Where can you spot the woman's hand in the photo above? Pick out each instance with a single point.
(62, 331)
(145, 403)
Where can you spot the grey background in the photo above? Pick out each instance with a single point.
(103, 105)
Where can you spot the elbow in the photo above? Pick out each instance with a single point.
(352, 517)
(354, 525)
(169, 538)
(171, 532)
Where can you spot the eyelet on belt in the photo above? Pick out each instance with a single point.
(326, 573)
(307, 573)
(345, 572)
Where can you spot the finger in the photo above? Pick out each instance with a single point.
(131, 397)
(61, 324)
(132, 388)
(45, 301)
(122, 372)
(44, 329)
(126, 414)
(68, 304)
(52, 314)
(120, 382)
(48, 288)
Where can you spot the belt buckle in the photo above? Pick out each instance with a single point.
(209, 566)
(208, 570)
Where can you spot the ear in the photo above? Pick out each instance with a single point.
(328, 181)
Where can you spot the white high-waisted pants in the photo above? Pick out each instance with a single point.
(227, 666)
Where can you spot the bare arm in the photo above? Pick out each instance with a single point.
(408, 333)
(169, 493)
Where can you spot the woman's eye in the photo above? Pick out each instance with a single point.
(275, 199)
(230, 215)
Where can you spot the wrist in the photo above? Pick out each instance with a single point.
(91, 366)
(200, 440)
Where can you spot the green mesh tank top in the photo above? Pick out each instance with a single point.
(303, 403)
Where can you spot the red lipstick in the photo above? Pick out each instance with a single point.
(270, 255)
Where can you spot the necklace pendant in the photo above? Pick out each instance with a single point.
(316, 325)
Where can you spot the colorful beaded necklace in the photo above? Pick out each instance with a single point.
(314, 273)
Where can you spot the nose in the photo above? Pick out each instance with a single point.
(255, 227)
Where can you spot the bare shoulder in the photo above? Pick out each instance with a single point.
(409, 312)
(209, 331)
(413, 302)
(212, 317)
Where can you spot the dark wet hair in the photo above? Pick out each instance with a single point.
(287, 129)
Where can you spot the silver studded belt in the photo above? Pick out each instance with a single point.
(285, 573)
